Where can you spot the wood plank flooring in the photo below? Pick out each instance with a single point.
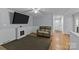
(60, 41)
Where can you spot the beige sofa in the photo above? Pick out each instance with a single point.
(44, 31)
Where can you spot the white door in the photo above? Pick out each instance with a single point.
(57, 23)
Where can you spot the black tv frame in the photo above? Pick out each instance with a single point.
(13, 22)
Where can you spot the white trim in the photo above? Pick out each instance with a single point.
(62, 23)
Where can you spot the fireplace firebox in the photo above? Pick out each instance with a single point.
(21, 32)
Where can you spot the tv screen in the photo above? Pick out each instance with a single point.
(20, 18)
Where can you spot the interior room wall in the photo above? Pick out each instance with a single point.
(5, 19)
(68, 23)
(48, 20)
(42, 20)
(5, 24)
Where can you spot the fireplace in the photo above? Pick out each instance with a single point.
(21, 32)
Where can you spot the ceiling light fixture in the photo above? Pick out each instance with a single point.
(36, 10)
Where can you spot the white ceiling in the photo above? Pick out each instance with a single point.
(54, 11)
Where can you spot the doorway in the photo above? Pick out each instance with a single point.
(58, 23)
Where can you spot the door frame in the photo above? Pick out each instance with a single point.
(62, 17)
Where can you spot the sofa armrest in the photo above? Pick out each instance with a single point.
(37, 31)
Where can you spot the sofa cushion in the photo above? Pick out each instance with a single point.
(42, 29)
(43, 32)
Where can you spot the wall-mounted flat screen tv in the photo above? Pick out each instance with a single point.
(20, 18)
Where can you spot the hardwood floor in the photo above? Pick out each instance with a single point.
(60, 41)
